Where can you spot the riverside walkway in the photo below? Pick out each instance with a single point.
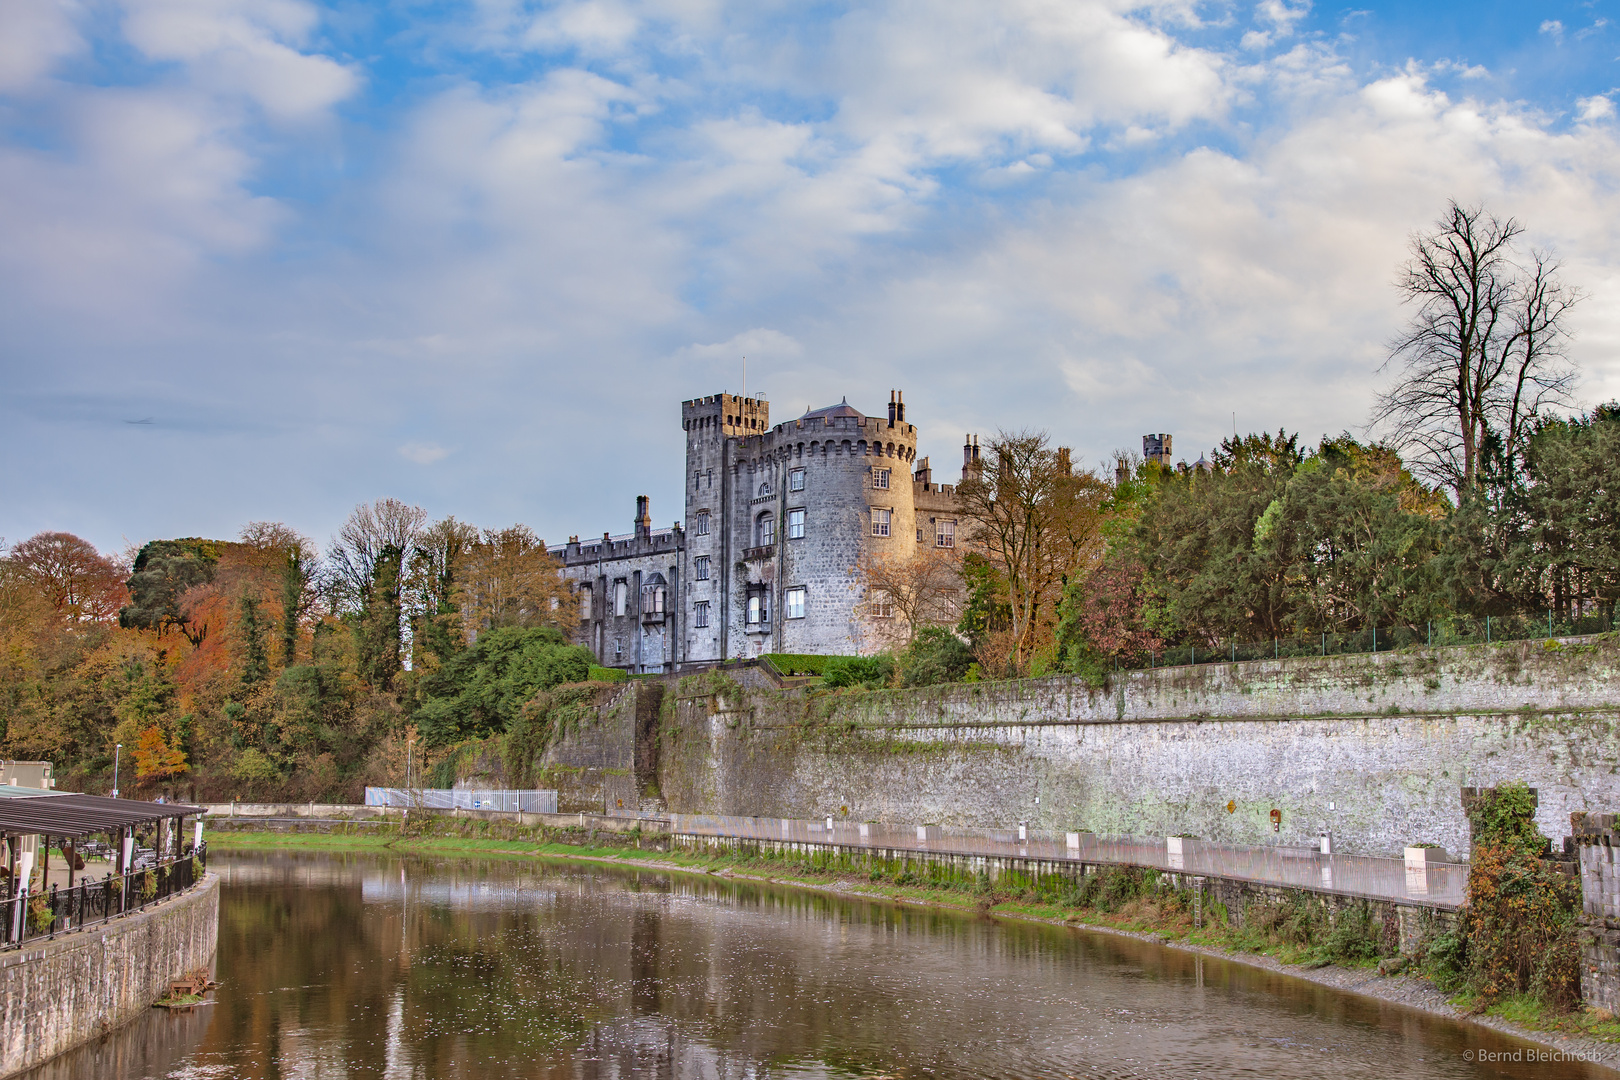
(1416, 882)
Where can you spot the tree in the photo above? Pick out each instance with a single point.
(483, 688)
(290, 559)
(1037, 522)
(1483, 352)
(368, 561)
(924, 587)
(82, 585)
(164, 571)
(509, 579)
(156, 758)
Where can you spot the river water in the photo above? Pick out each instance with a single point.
(335, 966)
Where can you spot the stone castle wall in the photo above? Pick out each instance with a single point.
(1375, 749)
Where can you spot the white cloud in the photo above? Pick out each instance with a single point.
(1595, 108)
(34, 35)
(1553, 28)
(423, 453)
(244, 46)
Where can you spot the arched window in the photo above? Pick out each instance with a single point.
(765, 488)
(765, 529)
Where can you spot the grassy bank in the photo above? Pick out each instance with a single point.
(1297, 933)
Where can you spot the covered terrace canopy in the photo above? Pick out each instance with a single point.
(84, 815)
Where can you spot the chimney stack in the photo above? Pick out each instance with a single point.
(643, 518)
(900, 405)
(891, 408)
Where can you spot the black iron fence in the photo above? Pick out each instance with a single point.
(1530, 626)
(52, 911)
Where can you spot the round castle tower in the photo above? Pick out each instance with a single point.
(781, 516)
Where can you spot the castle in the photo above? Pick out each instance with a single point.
(776, 520)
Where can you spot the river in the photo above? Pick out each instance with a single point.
(337, 966)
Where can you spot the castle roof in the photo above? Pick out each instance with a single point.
(843, 408)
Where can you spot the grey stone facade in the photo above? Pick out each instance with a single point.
(776, 520)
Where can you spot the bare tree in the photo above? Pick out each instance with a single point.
(79, 582)
(919, 588)
(1037, 522)
(1482, 354)
(386, 525)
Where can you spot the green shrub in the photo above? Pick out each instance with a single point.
(934, 656)
(802, 663)
(598, 673)
(871, 672)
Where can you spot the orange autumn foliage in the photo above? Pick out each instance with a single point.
(155, 757)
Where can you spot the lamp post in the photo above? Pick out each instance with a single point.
(117, 751)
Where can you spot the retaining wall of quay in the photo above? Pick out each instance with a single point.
(58, 993)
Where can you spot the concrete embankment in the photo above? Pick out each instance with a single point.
(58, 993)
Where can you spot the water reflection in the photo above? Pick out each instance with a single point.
(340, 966)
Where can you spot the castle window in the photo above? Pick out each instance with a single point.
(759, 608)
(796, 480)
(586, 608)
(945, 533)
(795, 524)
(697, 480)
(621, 598)
(794, 599)
(765, 530)
(700, 523)
(708, 475)
(880, 479)
(700, 613)
(880, 522)
(765, 488)
(880, 606)
(701, 567)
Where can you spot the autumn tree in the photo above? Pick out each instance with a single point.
(1037, 521)
(164, 572)
(1483, 353)
(509, 579)
(78, 582)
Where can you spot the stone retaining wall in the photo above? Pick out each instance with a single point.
(59, 993)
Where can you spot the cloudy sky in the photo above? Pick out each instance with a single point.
(265, 259)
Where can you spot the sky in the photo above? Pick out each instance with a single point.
(268, 259)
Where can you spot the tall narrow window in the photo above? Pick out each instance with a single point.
(794, 600)
(586, 608)
(765, 530)
(700, 568)
(621, 597)
(700, 523)
(796, 480)
(795, 524)
(944, 533)
(880, 478)
(756, 609)
(700, 613)
(880, 522)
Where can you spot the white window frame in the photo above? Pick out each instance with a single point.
(945, 533)
(796, 480)
(765, 530)
(795, 529)
(880, 479)
(793, 602)
(880, 605)
(882, 519)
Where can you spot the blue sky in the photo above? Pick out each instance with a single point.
(267, 259)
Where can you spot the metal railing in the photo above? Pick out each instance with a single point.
(525, 802)
(1430, 884)
(53, 911)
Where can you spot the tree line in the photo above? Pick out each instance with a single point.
(264, 667)
(1481, 495)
